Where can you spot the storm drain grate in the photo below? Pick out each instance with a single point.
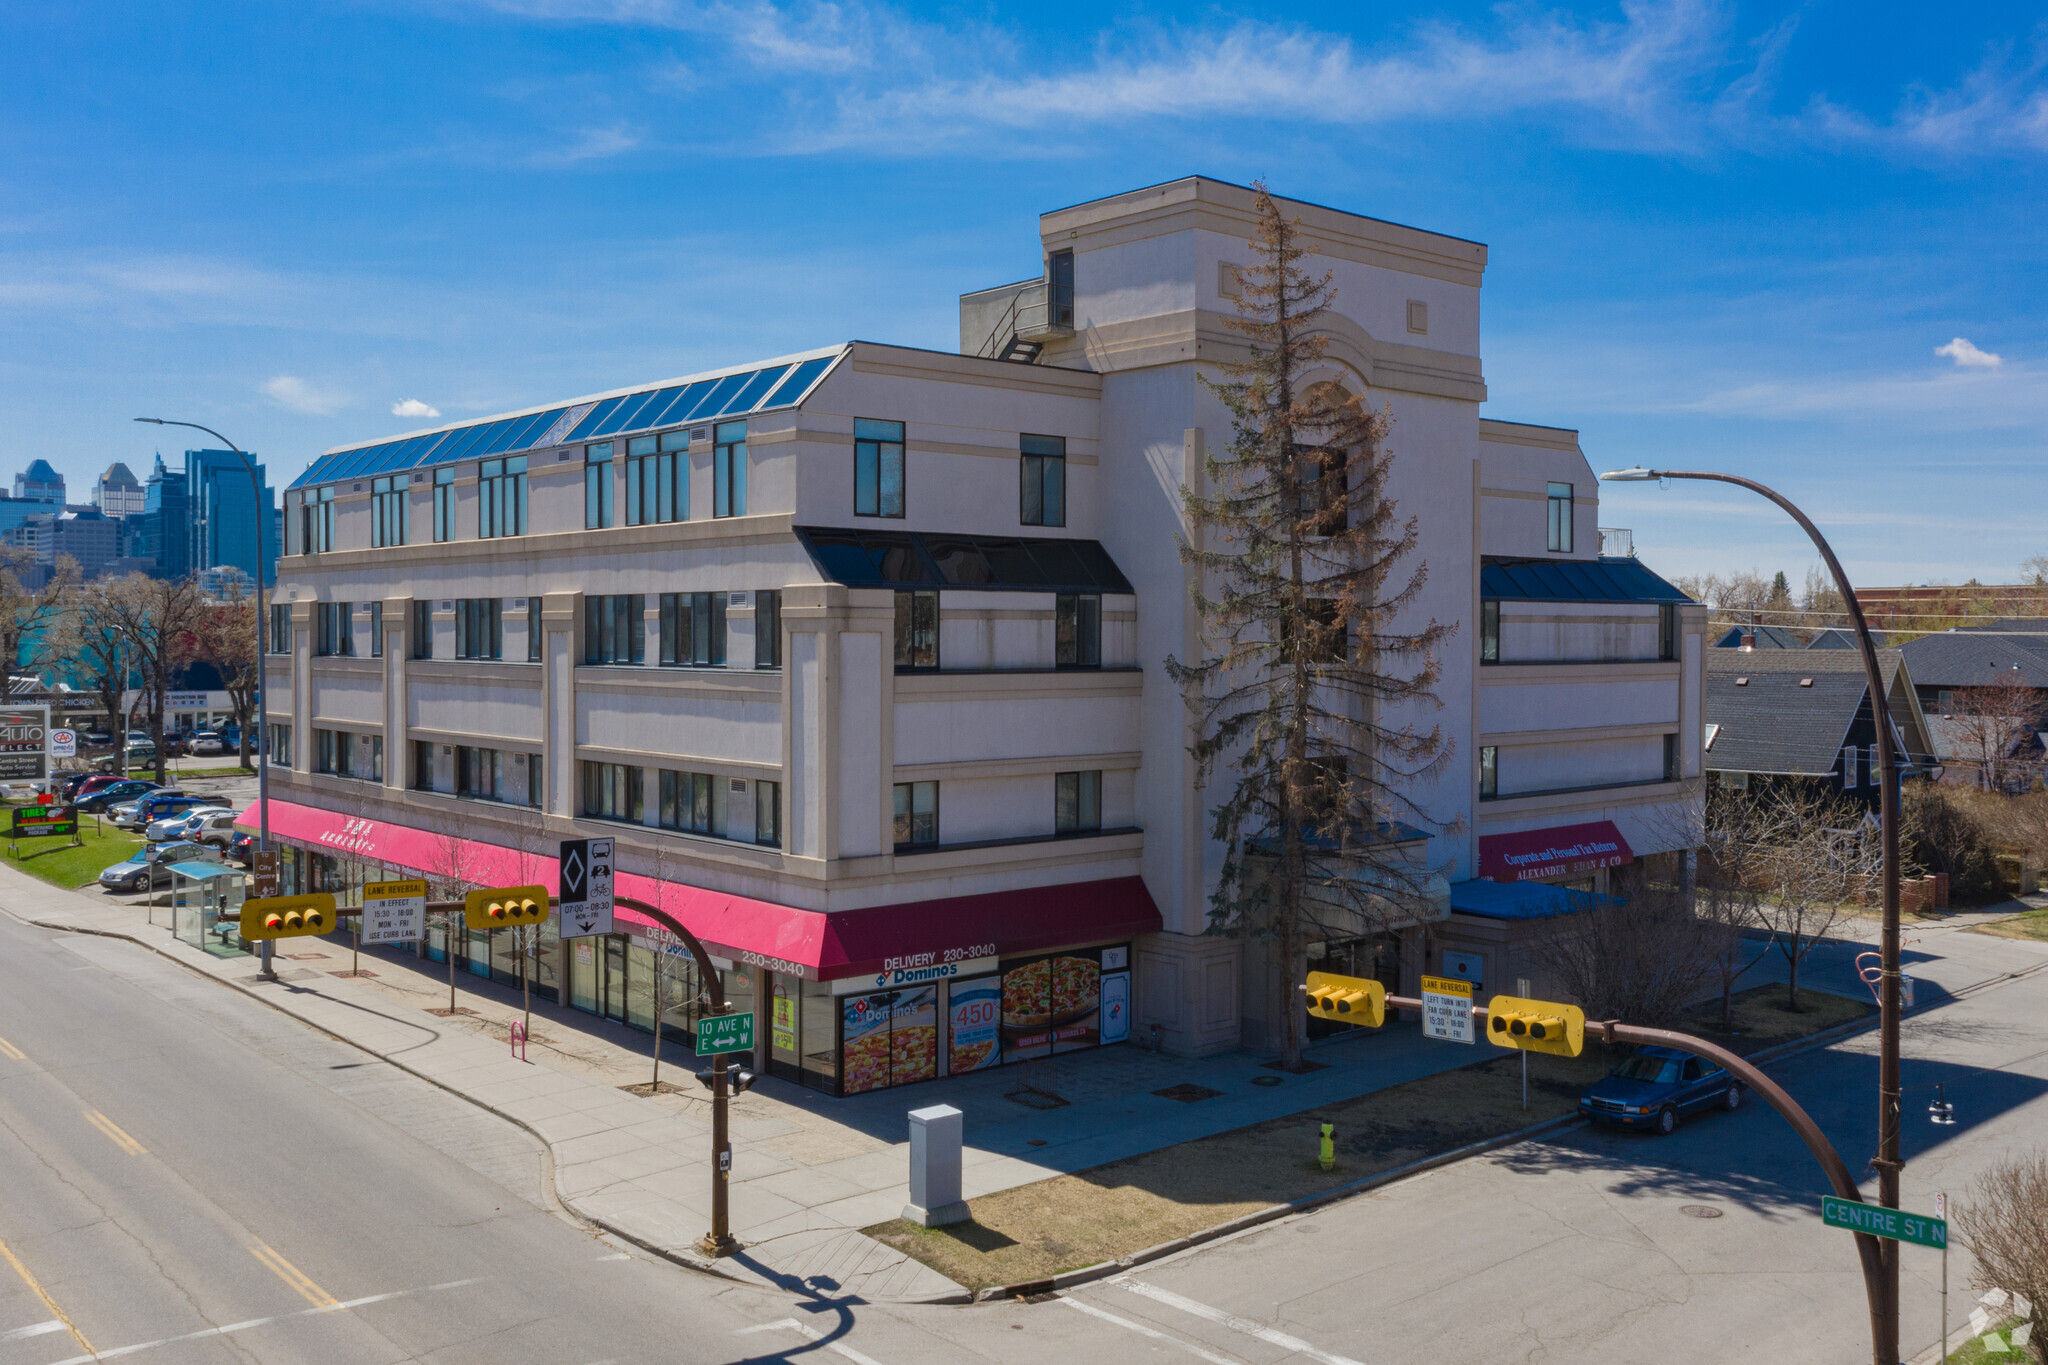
(1031, 1097)
(1187, 1093)
(1699, 1210)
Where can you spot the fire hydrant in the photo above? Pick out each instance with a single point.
(1328, 1155)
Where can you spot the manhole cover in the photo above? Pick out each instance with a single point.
(1187, 1093)
(1033, 1098)
(1699, 1210)
(1269, 1080)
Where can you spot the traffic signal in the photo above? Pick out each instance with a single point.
(1535, 1025)
(505, 907)
(1346, 999)
(737, 1080)
(287, 916)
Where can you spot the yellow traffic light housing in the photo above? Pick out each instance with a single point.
(1346, 999)
(505, 907)
(287, 916)
(1535, 1025)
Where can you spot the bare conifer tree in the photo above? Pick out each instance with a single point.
(1312, 671)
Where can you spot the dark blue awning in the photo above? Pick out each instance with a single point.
(1611, 578)
(1521, 900)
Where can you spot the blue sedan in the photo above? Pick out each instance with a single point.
(1656, 1087)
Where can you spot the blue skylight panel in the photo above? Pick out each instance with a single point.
(792, 388)
(423, 451)
(750, 394)
(358, 461)
(590, 422)
(470, 437)
(622, 415)
(679, 409)
(535, 428)
(658, 404)
(502, 435)
(715, 401)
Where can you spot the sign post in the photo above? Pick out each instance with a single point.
(1447, 1009)
(586, 887)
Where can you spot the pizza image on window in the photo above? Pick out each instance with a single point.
(1027, 995)
(1076, 987)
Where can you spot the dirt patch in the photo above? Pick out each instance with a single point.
(2033, 924)
(1761, 1019)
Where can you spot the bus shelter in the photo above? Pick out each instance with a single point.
(206, 906)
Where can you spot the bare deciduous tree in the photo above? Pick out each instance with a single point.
(1641, 956)
(1816, 855)
(1993, 728)
(156, 619)
(86, 642)
(457, 870)
(225, 636)
(2005, 1224)
(27, 615)
(1313, 672)
(1726, 898)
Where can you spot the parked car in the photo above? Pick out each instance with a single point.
(158, 805)
(117, 792)
(174, 826)
(150, 865)
(133, 814)
(208, 742)
(214, 828)
(1656, 1087)
(141, 754)
(96, 739)
(67, 786)
(242, 848)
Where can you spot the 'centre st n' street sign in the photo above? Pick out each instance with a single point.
(718, 1033)
(1896, 1224)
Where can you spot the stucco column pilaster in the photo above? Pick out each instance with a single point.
(302, 685)
(558, 700)
(397, 704)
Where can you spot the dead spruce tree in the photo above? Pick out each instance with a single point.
(1312, 672)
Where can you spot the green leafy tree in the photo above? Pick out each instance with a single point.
(1313, 671)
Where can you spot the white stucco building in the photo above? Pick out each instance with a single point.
(858, 652)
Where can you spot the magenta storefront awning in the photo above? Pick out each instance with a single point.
(808, 943)
(1530, 854)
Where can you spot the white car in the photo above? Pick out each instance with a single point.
(209, 742)
(214, 828)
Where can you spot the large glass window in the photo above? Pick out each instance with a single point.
(1560, 503)
(316, 521)
(768, 813)
(917, 630)
(1077, 630)
(917, 815)
(376, 630)
(611, 791)
(1489, 632)
(444, 503)
(877, 468)
(1077, 802)
(387, 509)
(479, 773)
(281, 628)
(729, 470)
(597, 485)
(334, 628)
(613, 632)
(501, 497)
(533, 630)
(280, 747)
(693, 629)
(423, 765)
(768, 629)
(480, 628)
(422, 629)
(657, 480)
(1045, 481)
(686, 802)
(1489, 772)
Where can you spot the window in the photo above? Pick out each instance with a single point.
(917, 815)
(729, 470)
(479, 773)
(1667, 630)
(280, 628)
(334, 628)
(536, 781)
(332, 752)
(768, 813)
(1671, 758)
(371, 748)
(1489, 772)
(1059, 278)
(611, 791)
(316, 521)
(376, 630)
(1849, 767)
(686, 802)
(1077, 802)
(533, 630)
(693, 629)
(444, 503)
(877, 468)
(613, 632)
(1045, 481)
(1319, 490)
(1874, 774)
(917, 630)
(1561, 517)
(280, 746)
(479, 628)
(387, 510)
(501, 498)
(768, 629)
(657, 481)
(422, 629)
(1077, 630)
(597, 485)
(423, 765)
(1489, 632)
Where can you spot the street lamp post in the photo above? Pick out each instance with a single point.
(1885, 1314)
(269, 972)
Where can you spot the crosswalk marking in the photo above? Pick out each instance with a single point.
(33, 1330)
(811, 1333)
(1272, 1335)
(1142, 1330)
(11, 1052)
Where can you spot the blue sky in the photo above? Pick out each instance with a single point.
(1721, 235)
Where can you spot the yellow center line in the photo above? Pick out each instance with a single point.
(48, 1302)
(114, 1133)
(293, 1276)
(11, 1052)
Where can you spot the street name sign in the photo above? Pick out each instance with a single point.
(718, 1033)
(1855, 1216)
(1447, 1009)
(394, 912)
(587, 888)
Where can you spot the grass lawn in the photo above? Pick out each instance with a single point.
(1077, 1220)
(2033, 924)
(60, 864)
(1974, 1352)
(231, 770)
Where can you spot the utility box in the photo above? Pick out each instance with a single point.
(935, 1136)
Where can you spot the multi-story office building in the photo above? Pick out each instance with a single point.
(40, 483)
(223, 508)
(858, 654)
(118, 494)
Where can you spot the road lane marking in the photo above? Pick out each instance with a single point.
(258, 1322)
(1250, 1328)
(114, 1133)
(11, 1052)
(293, 1276)
(804, 1329)
(1142, 1330)
(48, 1302)
(35, 1330)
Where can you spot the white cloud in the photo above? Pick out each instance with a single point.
(290, 391)
(413, 407)
(1967, 356)
(591, 144)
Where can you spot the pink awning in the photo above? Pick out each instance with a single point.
(807, 943)
(1529, 854)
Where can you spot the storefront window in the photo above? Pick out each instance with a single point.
(889, 1038)
(819, 1016)
(583, 973)
(639, 986)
